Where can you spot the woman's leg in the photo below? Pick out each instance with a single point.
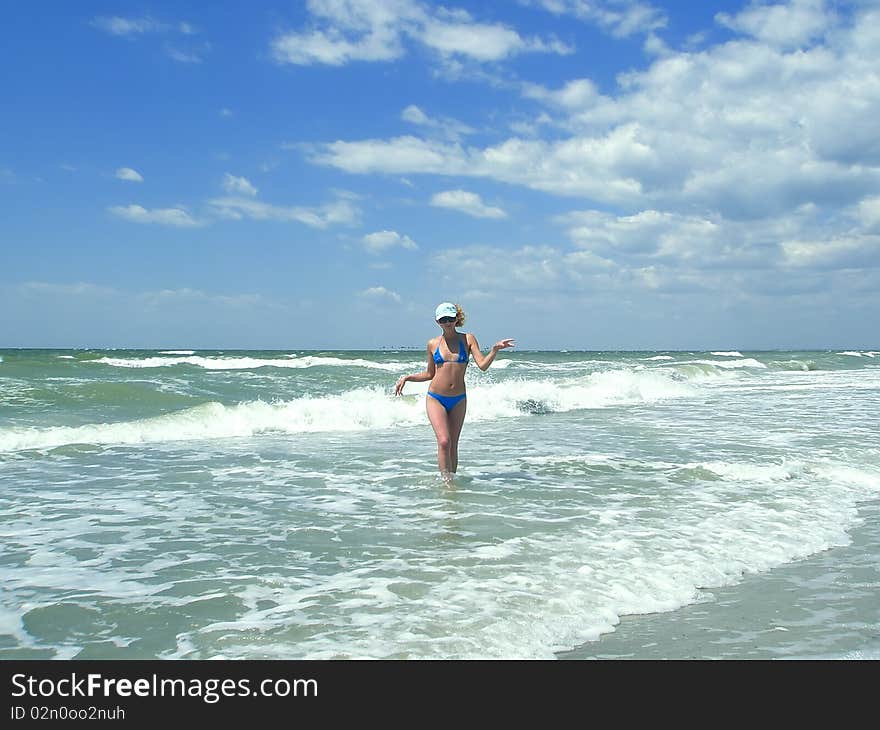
(440, 422)
(456, 421)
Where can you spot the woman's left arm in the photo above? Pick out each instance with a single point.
(484, 361)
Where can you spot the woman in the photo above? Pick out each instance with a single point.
(446, 402)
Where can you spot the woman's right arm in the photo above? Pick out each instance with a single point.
(426, 374)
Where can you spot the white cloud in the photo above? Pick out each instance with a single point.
(841, 251)
(164, 216)
(126, 173)
(332, 49)
(375, 30)
(868, 213)
(481, 41)
(742, 130)
(599, 167)
(190, 55)
(338, 212)
(465, 202)
(238, 185)
(380, 293)
(574, 95)
(415, 115)
(131, 27)
(444, 126)
(405, 154)
(619, 18)
(381, 241)
(785, 25)
(489, 268)
(114, 25)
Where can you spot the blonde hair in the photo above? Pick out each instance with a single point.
(459, 316)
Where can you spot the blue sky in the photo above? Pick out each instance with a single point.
(608, 174)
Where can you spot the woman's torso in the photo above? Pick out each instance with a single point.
(449, 365)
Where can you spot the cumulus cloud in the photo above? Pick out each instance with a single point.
(482, 41)
(806, 237)
(574, 95)
(380, 293)
(785, 25)
(529, 268)
(381, 241)
(126, 173)
(238, 185)
(602, 167)
(338, 212)
(868, 213)
(744, 130)
(406, 154)
(443, 126)
(854, 250)
(619, 18)
(465, 202)
(343, 31)
(178, 217)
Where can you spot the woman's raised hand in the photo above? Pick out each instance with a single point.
(503, 344)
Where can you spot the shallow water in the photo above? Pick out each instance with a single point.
(286, 505)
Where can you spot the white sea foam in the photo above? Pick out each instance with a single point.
(659, 357)
(754, 472)
(527, 596)
(359, 409)
(249, 363)
(65, 357)
(733, 353)
(177, 352)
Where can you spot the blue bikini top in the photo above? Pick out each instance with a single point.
(462, 353)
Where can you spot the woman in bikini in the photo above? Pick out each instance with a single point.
(447, 402)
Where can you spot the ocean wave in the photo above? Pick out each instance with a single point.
(359, 409)
(732, 353)
(532, 594)
(804, 365)
(177, 352)
(860, 353)
(725, 365)
(249, 363)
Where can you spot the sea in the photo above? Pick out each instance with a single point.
(207, 504)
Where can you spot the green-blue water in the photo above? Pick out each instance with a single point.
(287, 505)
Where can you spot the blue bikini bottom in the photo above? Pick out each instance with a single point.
(448, 401)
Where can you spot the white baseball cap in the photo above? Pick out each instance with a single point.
(447, 309)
